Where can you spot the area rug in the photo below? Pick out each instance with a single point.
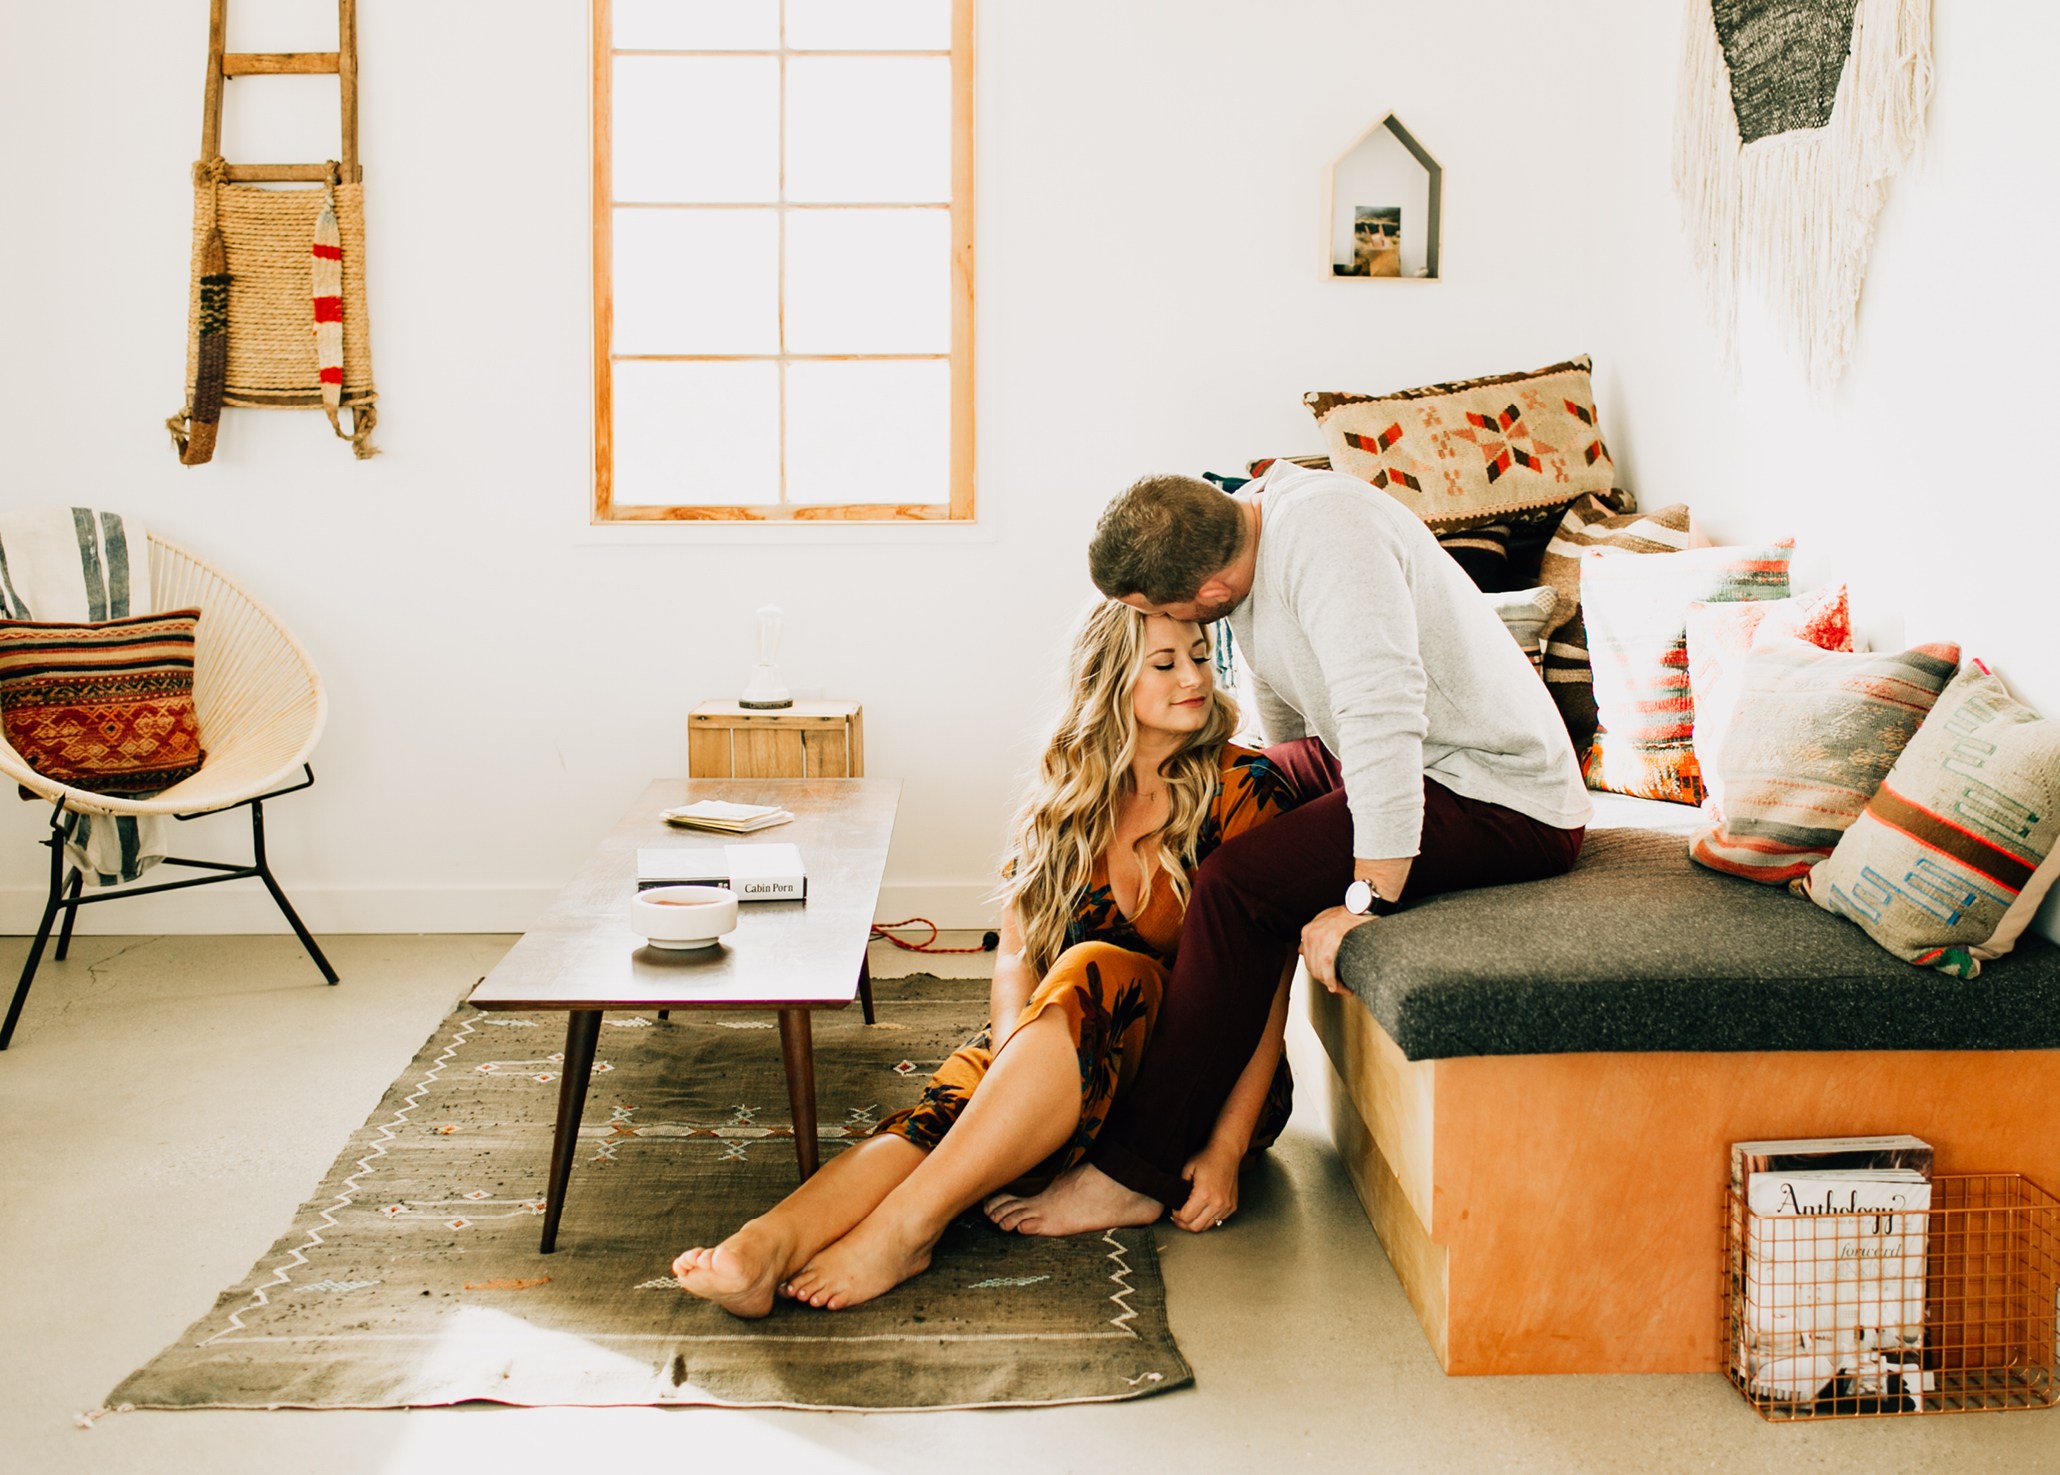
(412, 1276)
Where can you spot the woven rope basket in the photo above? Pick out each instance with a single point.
(271, 330)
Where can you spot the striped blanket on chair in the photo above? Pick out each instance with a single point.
(76, 565)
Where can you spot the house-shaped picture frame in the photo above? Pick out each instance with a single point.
(1384, 195)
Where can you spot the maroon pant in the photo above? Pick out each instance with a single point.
(1251, 900)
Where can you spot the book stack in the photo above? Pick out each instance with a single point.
(1829, 1240)
(724, 817)
(756, 872)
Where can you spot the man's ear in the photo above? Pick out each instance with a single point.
(1213, 591)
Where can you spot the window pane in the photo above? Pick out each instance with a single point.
(869, 128)
(697, 25)
(869, 25)
(697, 281)
(697, 128)
(868, 281)
(697, 434)
(869, 432)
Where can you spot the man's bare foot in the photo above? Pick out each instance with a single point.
(874, 1258)
(1080, 1199)
(737, 1275)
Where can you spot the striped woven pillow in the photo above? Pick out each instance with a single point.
(1811, 734)
(105, 707)
(1961, 843)
(1591, 523)
(1637, 616)
(1719, 635)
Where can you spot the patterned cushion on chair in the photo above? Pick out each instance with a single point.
(1591, 522)
(1719, 635)
(1463, 454)
(1637, 614)
(106, 707)
(1808, 734)
(1961, 842)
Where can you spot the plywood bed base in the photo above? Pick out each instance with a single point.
(1559, 1213)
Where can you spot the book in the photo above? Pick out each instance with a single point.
(1832, 1282)
(761, 872)
(698, 865)
(727, 818)
(767, 872)
(1812, 1154)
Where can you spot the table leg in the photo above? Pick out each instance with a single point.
(582, 1030)
(865, 987)
(797, 1044)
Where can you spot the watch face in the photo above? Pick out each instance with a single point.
(1359, 898)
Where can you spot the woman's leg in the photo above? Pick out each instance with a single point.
(1024, 1111)
(740, 1273)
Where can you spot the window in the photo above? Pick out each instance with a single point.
(783, 283)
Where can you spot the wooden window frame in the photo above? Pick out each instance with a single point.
(960, 507)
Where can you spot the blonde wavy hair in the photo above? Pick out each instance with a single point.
(1068, 818)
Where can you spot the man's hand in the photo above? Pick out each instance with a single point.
(1320, 941)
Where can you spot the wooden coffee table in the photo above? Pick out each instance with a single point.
(788, 956)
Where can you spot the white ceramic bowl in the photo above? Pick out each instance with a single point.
(683, 916)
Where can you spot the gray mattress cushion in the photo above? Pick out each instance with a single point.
(1638, 948)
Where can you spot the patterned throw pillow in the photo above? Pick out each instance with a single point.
(1719, 635)
(1636, 610)
(1592, 522)
(1810, 735)
(106, 707)
(1524, 615)
(1961, 843)
(1466, 453)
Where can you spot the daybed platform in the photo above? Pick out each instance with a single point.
(1537, 1088)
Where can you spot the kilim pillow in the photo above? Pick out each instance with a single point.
(1719, 635)
(1811, 733)
(1636, 610)
(1466, 453)
(1524, 615)
(106, 707)
(1961, 843)
(1591, 523)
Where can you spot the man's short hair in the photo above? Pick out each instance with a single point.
(1163, 538)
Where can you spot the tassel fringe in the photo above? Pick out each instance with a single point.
(1795, 213)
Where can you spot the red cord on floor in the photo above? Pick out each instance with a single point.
(884, 932)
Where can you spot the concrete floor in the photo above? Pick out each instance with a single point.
(155, 1137)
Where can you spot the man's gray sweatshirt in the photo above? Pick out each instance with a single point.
(1362, 631)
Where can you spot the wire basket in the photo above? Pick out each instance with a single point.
(1949, 1308)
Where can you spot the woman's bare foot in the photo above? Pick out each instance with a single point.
(1080, 1199)
(870, 1261)
(737, 1275)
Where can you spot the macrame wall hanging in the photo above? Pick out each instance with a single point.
(276, 317)
(1793, 115)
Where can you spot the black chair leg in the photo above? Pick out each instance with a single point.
(28, 972)
(71, 914)
(264, 870)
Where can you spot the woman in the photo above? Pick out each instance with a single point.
(1137, 785)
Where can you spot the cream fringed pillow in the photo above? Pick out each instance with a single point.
(1953, 854)
(1467, 453)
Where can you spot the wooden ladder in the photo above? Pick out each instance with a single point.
(341, 63)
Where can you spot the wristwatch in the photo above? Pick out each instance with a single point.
(1361, 900)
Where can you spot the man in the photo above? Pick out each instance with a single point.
(1442, 765)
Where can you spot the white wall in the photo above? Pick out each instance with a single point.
(1923, 480)
(1151, 296)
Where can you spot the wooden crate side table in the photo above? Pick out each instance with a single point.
(807, 740)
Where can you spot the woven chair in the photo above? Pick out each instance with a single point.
(261, 708)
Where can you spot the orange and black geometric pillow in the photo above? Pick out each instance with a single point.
(106, 707)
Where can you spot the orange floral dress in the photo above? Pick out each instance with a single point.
(1108, 983)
